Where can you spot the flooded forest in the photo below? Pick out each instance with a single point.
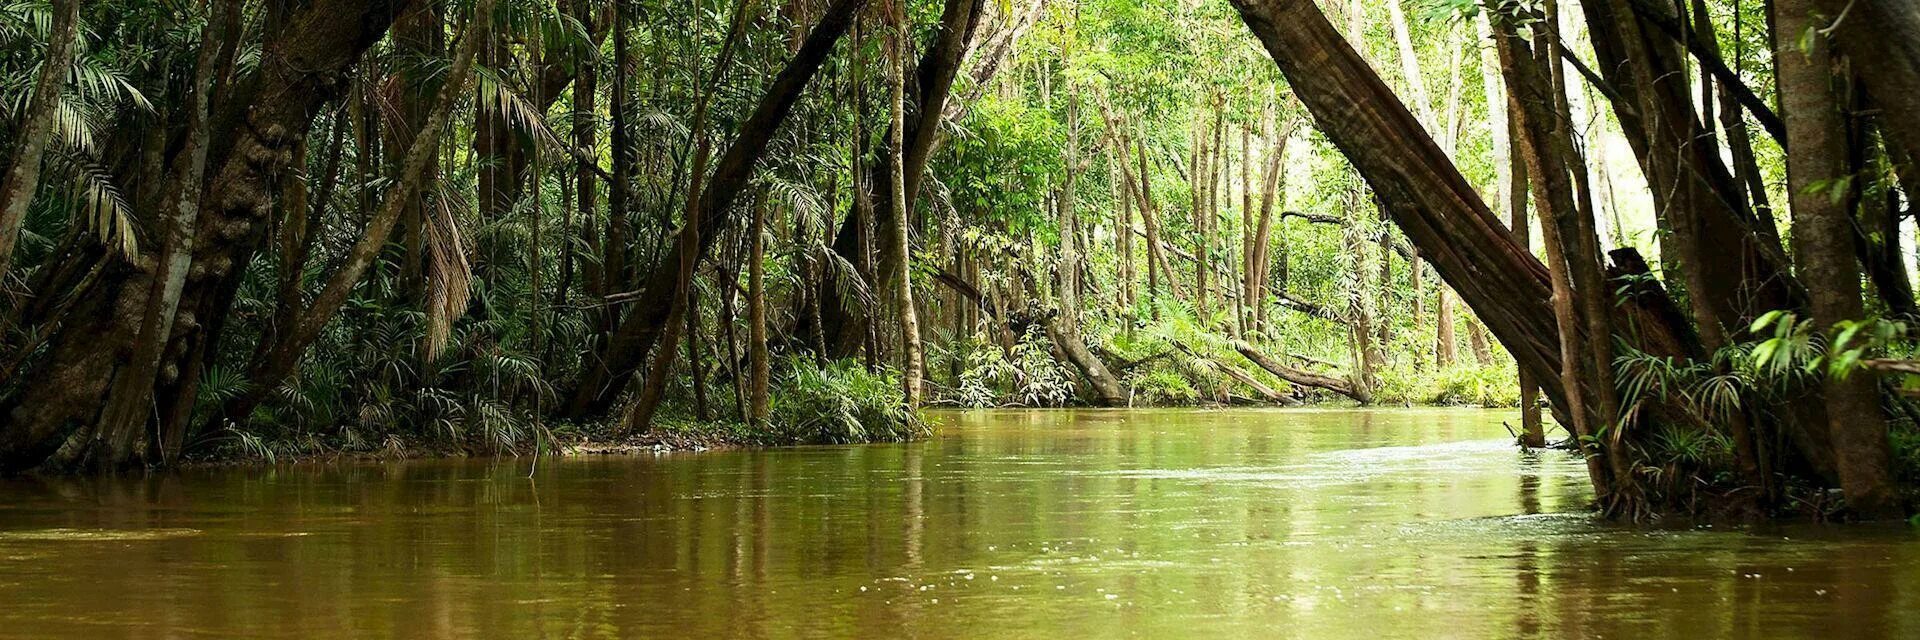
(793, 318)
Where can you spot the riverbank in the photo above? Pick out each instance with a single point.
(675, 435)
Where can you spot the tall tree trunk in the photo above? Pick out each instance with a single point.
(1123, 238)
(615, 271)
(117, 440)
(36, 133)
(930, 85)
(1159, 268)
(1446, 349)
(1067, 276)
(1243, 300)
(586, 123)
(1532, 431)
(1580, 291)
(759, 368)
(1272, 192)
(418, 33)
(899, 230)
(1824, 243)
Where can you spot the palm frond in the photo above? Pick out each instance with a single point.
(101, 206)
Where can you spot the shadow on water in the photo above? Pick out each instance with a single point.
(1011, 524)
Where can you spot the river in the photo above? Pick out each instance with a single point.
(1297, 523)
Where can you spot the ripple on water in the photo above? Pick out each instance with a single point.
(94, 535)
(1348, 466)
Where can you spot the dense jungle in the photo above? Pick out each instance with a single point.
(285, 229)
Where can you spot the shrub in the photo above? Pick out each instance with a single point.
(1160, 385)
(1029, 377)
(839, 403)
(1475, 386)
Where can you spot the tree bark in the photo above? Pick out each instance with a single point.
(301, 67)
(36, 133)
(641, 327)
(899, 230)
(1824, 243)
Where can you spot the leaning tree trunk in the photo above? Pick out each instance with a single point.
(1546, 145)
(1440, 212)
(641, 327)
(929, 87)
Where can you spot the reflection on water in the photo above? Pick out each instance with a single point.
(1151, 524)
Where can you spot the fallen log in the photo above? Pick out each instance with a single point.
(1240, 375)
(1106, 388)
(1303, 377)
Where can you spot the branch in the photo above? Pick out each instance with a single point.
(1309, 308)
(1710, 61)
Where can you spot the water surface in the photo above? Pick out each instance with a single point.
(1010, 524)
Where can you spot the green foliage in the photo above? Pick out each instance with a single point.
(839, 403)
(1464, 385)
(1160, 385)
(1476, 386)
(1027, 377)
(1684, 447)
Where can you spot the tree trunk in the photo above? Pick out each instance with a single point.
(899, 230)
(1532, 431)
(1824, 245)
(1580, 291)
(615, 273)
(117, 440)
(1884, 36)
(642, 325)
(1303, 377)
(36, 132)
(1273, 191)
(930, 85)
(301, 67)
(687, 250)
(759, 368)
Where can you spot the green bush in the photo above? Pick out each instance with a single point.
(1029, 377)
(1162, 386)
(1459, 386)
(1475, 386)
(839, 403)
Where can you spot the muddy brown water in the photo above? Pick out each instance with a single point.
(1317, 523)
